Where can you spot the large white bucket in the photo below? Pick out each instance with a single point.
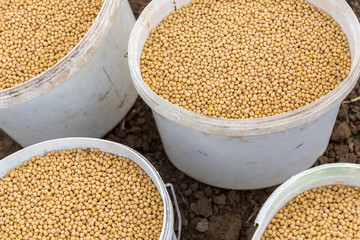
(328, 174)
(40, 149)
(85, 94)
(250, 153)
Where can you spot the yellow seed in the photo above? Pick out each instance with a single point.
(34, 35)
(79, 194)
(320, 213)
(245, 59)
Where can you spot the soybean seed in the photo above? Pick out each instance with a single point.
(36, 34)
(245, 58)
(79, 194)
(330, 212)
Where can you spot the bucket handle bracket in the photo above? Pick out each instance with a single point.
(169, 185)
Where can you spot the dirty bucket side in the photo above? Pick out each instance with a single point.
(244, 153)
(328, 174)
(86, 94)
(42, 148)
(245, 162)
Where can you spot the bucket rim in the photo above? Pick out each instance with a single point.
(341, 170)
(237, 127)
(69, 64)
(18, 157)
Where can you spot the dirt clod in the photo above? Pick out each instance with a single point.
(203, 225)
(202, 207)
(220, 200)
(341, 132)
(224, 227)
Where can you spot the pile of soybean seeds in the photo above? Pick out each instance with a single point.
(79, 194)
(36, 34)
(330, 212)
(245, 58)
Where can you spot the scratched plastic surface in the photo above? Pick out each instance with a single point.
(85, 94)
(250, 153)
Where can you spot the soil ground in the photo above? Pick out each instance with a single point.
(209, 212)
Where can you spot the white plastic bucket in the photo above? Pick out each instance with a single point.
(40, 149)
(250, 153)
(328, 174)
(85, 94)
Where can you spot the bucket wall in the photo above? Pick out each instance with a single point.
(245, 162)
(244, 153)
(86, 94)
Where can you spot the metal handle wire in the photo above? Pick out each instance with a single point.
(169, 185)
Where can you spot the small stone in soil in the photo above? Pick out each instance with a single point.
(220, 200)
(203, 225)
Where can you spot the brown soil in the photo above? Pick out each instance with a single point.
(209, 212)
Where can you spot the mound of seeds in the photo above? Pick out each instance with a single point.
(245, 58)
(331, 212)
(36, 34)
(79, 194)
